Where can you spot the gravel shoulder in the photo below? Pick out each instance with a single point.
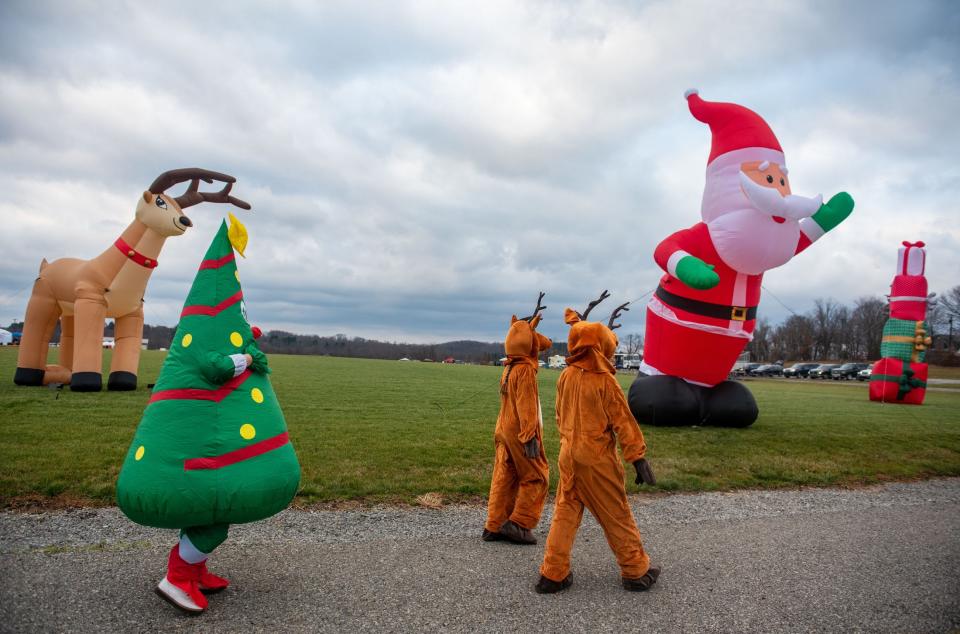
(879, 559)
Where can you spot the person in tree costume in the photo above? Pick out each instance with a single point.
(518, 488)
(212, 447)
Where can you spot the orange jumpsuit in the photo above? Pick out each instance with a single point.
(592, 414)
(519, 485)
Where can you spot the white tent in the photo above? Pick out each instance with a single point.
(5, 337)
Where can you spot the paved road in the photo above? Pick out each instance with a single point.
(883, 559)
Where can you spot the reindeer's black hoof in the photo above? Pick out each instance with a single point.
(28, 376)
(86, 382)
(122, 381)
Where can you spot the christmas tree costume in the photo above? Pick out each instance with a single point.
(704, 311)
(212, 447)
(900, 376)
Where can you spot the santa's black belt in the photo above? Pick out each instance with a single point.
(706, 309)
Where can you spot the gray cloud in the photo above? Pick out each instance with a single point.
(420, 170)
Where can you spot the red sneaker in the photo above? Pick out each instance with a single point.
(209, 582)
(181, 587)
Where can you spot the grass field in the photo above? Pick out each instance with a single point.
(942, 372)
(390, 431)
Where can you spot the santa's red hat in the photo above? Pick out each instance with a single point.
(733, 126)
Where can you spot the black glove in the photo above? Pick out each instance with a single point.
(259, 364)
(531, 448)
(644, 472)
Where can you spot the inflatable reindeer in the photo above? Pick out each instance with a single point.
(82, 293)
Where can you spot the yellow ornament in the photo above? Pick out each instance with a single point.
(247, 431)
(139, 455)
(257, 395)
(187, 340)
(236, 339)
(237, 234)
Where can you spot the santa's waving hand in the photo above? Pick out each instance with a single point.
(704, 311)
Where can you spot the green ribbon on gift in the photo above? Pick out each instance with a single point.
(905, 381)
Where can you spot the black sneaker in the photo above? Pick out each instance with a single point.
(549, 586)
(490, 536)
(643, 583)
(517, 534)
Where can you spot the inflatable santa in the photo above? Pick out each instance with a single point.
(704, 311)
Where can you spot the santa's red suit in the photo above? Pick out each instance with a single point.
(697, 332)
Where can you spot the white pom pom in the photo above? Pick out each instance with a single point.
(691, 91)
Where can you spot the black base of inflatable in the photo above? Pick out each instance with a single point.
(669, 401)
(122, 381)
(86, 382)
(28, 376)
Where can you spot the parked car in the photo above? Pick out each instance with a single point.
(864, 374)
(799, 370)
(745, 369)
(822, 371)
(846, 371)
(768, 369)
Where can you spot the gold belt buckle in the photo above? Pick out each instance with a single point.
(738, 313)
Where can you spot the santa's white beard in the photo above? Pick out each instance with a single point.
(747, 239)
(770, 201)
(752, 242)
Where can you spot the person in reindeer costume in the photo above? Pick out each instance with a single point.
(518, 488)
(703, 313)
(212, 447)
(593, 416)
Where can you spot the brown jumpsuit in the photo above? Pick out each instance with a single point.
(519, 485)
(592, 415)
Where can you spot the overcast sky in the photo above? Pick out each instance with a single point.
(419, 170)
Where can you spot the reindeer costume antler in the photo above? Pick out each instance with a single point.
(593, 304)
(611, 323)
(536, 311)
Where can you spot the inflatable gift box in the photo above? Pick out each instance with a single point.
(896, 381)
(908, 293)
(904, 340)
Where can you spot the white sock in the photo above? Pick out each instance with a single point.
(189, 553)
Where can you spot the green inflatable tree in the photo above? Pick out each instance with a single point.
(212, 447)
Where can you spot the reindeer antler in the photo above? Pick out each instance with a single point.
(537, 309)
(593, 305)
(193, 196)
(616, 314)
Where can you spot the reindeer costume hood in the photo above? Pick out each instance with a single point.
(590, 344)
(523, 343)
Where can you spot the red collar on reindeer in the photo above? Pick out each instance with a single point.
(134, 255)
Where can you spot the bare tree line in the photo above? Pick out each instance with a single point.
(851, 333)
(829, 330)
